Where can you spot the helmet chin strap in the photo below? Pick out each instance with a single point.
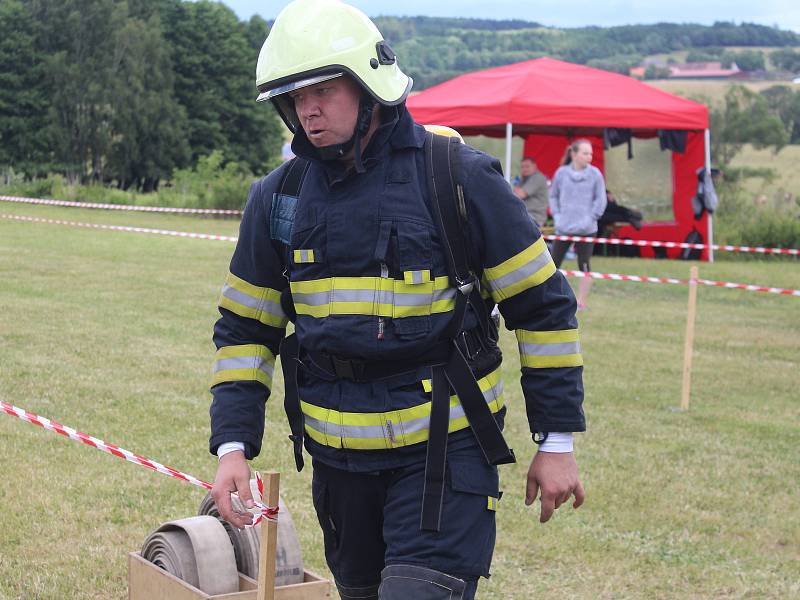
(366, 106)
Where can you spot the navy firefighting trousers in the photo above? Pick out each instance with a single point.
(373, 541)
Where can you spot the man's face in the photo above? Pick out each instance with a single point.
(328, 110)
(527, 168)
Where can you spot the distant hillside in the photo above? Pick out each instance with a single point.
(434, 49)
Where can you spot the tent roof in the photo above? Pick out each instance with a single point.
(545, 94)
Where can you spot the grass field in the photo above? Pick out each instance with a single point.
(110, 333)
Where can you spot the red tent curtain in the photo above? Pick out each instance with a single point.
(548, 151)
(684, 187)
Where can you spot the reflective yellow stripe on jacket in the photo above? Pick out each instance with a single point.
(247, 300)
(531, 267)
(549, 349)
(249, 362)
(372, 296)
(392, 429)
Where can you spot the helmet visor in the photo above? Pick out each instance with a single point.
(296, 85)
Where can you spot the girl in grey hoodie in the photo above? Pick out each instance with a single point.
(577, 201)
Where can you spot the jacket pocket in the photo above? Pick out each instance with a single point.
(308, 239)
(413, 267)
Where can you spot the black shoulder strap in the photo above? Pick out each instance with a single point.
(293, 177)
(450, 213)
(447, 202)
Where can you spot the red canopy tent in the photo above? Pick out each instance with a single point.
(550, 102)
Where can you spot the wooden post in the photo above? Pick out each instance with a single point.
(689, 344)
(269, 540)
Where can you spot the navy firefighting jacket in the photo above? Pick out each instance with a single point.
(363, 259)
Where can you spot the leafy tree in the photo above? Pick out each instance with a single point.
(256, 31)
(148, 123)
(785, 102)
(709, 54)
(656, 72)
(744, 119)
(747, 60)
(77, 37)
(23, 103)
(787, 59)
(214, 63)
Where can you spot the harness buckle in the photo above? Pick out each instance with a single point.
(466, 287)
(346, 368)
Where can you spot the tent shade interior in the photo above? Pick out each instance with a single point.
(550, 102)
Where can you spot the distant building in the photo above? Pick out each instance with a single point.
(703, 70)
(696, 70)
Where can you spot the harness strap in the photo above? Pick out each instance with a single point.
(290, 359)
(362, 370)
(433, 491)
(458, 375)
(293, 176)
(443, 193)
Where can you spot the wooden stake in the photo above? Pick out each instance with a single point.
(269, 540)
(689, 344)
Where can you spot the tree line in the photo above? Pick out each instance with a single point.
(125, 92)
(433, 50)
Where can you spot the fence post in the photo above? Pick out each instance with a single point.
(269, 541)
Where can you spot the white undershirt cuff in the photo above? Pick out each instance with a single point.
(557, 442)
(229, 447)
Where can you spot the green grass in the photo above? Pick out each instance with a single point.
(110, 332)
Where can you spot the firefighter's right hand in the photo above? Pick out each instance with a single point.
(233, 475)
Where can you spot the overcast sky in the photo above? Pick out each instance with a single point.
(569, 13)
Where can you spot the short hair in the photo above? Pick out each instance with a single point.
(528, 158)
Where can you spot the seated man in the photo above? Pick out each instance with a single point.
(532, 190)
(616, 213)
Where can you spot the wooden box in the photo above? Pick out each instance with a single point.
(146, 581)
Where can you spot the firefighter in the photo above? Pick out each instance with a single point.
(392, 376)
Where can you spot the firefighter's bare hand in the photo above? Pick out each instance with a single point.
(233, 475)
(555, 475)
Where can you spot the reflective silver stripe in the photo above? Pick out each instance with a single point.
(384, 297)
(244, 362)
(416, 277)
(353, 295)
(412, 299)
(522, 272)
(312, 299)
(267, 306)
(445, 294)
(336, 430)
(370, 295)
(550, 349)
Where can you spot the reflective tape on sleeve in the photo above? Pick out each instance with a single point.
(531, 267)
(249, 362)
(253, 302)
(549, 349)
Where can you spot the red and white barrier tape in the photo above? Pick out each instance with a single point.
(269, 513)
(129, 207)
(594, 275)
(643, 279)
(565, 238)
(185, 234)
(656, 244)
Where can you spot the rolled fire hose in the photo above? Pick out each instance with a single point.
(196, 550)
(246, 543)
